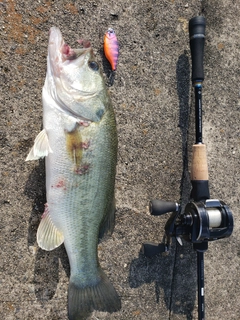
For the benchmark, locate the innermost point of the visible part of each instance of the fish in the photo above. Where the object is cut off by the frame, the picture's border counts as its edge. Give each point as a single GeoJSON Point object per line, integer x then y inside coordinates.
{"type": "Point", "coordinates": [79, 143]}
{"type": "Point", "coordinates": [111, 48]}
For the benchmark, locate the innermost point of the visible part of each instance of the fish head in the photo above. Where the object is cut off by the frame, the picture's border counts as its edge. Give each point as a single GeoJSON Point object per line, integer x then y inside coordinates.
{"type": "Point", "coordinates": [74, 79]}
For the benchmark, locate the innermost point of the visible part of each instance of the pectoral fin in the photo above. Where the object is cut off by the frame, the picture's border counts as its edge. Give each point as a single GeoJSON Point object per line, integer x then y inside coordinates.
{"type": "Point", "coordinates": [48, 236]}
{"type": "Point", "coordinates": [41, 147]}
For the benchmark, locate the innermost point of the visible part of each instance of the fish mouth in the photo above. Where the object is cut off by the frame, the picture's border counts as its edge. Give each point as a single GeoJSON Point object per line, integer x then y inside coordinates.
{"type": "Point", "coordinates": [60, 52]}
{"type": "Point", "coordinates": [61, 57]}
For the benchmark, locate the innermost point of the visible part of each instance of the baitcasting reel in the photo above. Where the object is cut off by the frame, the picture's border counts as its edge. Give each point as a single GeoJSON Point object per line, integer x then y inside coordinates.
{"type": "Point", "coordinates": [203, 219]}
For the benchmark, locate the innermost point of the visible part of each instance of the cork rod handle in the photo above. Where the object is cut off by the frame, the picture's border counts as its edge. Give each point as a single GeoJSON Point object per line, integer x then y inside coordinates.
{"type": "Point", "coordinates": [199, 168]}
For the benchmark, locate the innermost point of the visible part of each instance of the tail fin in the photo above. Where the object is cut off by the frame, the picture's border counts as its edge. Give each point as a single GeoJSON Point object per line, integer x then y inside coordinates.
{"type": "Point", "coordinates": [83, 300]}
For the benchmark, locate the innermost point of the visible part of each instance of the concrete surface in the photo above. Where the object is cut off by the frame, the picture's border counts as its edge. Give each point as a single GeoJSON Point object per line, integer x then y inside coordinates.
{"type": "Point", "coordinates": [153, 101]}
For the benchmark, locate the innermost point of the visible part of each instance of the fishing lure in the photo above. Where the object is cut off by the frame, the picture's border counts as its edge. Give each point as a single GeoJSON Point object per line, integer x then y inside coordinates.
{"type": "Point", "coordinates": [111, 48]}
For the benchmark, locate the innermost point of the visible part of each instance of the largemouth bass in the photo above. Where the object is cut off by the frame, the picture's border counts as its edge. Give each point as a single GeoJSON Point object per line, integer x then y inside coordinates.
{"type": "Point", "coordinates": [79, 143]}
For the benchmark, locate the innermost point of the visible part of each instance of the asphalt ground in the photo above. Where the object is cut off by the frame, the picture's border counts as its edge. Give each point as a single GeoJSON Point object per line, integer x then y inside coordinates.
{"type": "Point", "coordinates": [154, 105]}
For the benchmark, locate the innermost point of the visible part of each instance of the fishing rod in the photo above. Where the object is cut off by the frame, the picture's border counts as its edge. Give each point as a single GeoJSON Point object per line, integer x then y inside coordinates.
{"type": "Point", "coordinates": [203, 219]}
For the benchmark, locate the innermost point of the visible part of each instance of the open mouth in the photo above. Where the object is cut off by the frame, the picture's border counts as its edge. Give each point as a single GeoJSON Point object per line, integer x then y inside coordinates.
{"type": "Point", "coordinates": [58, 47]}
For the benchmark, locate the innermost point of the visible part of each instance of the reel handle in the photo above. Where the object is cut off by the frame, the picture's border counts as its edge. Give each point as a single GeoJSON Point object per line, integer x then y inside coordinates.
{"type": "Point", "coordinates": [197, 38]}
{"type": "Point", "coordinates": [159, 207]}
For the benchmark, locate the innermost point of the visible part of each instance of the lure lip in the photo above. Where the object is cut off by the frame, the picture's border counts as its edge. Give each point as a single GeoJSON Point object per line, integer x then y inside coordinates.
{"type": "Point", "coordinates": [110, 33]}
{"type": "Point", "coordinates": [111, 30]}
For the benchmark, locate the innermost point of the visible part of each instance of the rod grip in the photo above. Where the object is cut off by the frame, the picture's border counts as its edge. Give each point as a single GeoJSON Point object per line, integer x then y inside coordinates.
{"type": "Point", "coordinates": [199, 168]}
{"type": "Point", "coordinates": [197, 38]}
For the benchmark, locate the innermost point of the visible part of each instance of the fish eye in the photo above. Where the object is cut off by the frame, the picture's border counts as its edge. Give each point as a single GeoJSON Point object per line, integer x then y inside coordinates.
{"type": "Point", "coordinates": [93, 65]}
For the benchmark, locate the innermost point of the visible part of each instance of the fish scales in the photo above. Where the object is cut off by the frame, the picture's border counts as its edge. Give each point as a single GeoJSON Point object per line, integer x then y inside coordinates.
{"type": "Point", "coordinates": [79, 143]}
{"type": "Point", "coordinates": [85, 185]}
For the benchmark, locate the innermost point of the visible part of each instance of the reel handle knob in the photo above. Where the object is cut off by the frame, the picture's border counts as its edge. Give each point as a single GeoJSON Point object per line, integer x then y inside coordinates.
{"type": "Point", "coordinates": [197, 38]}
{"type": "Point", "coordinates": [159, 207]}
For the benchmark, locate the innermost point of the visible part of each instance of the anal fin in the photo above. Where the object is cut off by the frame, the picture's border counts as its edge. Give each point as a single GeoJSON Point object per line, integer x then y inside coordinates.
{"type": "Point", "coordinates": [48, 236]}
{"type": "Point", "coordinates": [41, 147]}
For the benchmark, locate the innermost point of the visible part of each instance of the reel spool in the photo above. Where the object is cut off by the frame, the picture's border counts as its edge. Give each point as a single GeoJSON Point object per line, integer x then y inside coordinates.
{"type": "Point", "coordinates": [207, 221]}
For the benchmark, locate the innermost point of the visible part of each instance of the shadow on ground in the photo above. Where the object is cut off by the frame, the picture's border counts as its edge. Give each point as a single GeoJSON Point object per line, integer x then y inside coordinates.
{"type": "Point", "coordinates": [166, 271]}
{"type": "Point", "coordinates": [46, 273]}
{"type": "Point", "coordinates": [167, 275]}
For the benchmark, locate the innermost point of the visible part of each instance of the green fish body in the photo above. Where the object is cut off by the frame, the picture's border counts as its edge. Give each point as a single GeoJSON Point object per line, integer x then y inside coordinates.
{"type": "Point", "coordinates": [79, 143]}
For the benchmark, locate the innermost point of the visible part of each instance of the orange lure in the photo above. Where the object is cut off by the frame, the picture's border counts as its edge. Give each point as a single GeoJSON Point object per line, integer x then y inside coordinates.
{"type": "Point", "coordinates": [111, 48]}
